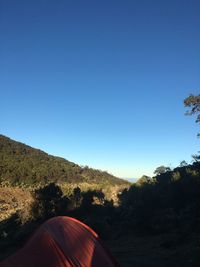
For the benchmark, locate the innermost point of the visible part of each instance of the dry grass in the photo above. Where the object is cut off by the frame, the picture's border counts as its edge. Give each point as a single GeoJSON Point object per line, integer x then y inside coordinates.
{"type": "Point", "coordinates": [18, 199]}
{"type": "Point", "coordinates": [12, 200]}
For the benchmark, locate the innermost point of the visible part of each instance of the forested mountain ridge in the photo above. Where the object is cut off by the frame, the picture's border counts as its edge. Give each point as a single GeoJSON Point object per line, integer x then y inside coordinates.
{"type": "Point", "coordinates": [22, 164]}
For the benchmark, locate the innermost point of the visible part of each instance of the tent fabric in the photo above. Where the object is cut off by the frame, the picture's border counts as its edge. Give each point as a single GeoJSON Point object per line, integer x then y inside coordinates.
{"type": "Point", "coordinates": [62, 242]}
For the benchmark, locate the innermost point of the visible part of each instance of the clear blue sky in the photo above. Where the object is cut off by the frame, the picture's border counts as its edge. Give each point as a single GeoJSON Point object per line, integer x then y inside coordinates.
{"type": "Point", "coordinates": [101, 83]}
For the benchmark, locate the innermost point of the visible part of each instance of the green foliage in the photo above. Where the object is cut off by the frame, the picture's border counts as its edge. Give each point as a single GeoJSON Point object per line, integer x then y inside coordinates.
{"type": "Point", "coordinates": [183, 163]}
{"type": "Point", "coordinates": [21, 164]}
{"type": "Point", "coordinates": [161, 169]}
{"type": "Point", "coordinates": [48, 202]}
{"type": "Point", "coordinates": [144, 180]}
{"type": "Point", "coordinates": [88, 198]}
{"type": "Point", "coordinates": [169, 202]}
{"type": "Point", "coordinates": [193, 102]}
{"type": "Point", "coordinates": [76, 197]}
{"type": "Point", "coordinates": [196, 157]}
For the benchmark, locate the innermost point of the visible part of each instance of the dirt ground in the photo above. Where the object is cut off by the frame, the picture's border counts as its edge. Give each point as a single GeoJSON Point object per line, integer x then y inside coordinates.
{"type": "Point", "coordinates": [155, 251]}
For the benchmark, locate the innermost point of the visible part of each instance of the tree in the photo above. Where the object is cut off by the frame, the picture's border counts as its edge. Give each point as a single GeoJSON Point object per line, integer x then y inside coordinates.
{"type": "Point", "coordinates": [87, 199]}
{"type": "Point", "coordinates": [183, 163]}
{"type": "Point", "coordinates": [92, 197]}
{"type": "Point", "coordinates": [47, 202]}
{"type": "Point", "coordinates": [196, 157]}
{"type": "Point", "coordinates": [193, 102]}
{"type": "Point", "coordinates": [161, 169]}
{"type": "Point", "coordinates": [100, 197]}
{"type": "Point", "coordinates": [76, 196]}
{"type": "Point", "coordinates": [144, 180]}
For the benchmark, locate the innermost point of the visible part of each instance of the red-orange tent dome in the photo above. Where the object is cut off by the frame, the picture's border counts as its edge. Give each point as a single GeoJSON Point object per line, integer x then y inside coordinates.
{"type": "Point", "coordinates": [62, 242]}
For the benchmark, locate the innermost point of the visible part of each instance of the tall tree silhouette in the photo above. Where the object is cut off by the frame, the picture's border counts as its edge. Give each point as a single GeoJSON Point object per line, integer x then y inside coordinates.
{"type": "Point", "coordinates": [193, 102]}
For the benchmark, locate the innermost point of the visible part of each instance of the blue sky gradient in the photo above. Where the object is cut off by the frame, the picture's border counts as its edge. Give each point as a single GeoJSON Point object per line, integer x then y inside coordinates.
{"type": "Point", "coordinates": [101, 83]}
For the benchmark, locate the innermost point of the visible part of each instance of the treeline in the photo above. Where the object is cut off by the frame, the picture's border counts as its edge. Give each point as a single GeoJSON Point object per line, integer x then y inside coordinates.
{"type": "Point", "coordinates": [168, 203]}
{"type": "Point", "coordinates": [23, 165]}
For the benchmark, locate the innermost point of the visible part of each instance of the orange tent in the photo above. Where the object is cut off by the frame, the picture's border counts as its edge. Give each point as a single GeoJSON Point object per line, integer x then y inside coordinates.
{"type": "Point", "coordinates": [62, 242]}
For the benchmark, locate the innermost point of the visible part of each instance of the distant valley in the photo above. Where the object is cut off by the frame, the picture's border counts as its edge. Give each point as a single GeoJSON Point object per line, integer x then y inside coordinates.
{"type": "Point", "coordinates": [131, 180]}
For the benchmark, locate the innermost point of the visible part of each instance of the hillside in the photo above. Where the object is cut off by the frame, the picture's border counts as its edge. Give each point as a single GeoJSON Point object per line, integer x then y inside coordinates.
{"type": "Point", "coordinates": [156, 221]}
{"type": "Point", "coordinates": [22, 164]}
{"type": "Point", "coordinates": [155, 224]}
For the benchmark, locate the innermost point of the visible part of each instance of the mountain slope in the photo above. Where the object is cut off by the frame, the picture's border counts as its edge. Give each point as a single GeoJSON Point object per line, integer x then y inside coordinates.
{"type": "Point", "coordinates": [20, 163]}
